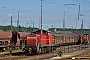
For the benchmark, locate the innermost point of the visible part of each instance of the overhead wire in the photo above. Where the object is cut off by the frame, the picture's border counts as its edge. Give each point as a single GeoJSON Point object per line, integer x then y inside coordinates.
{"type": "Point", "coordinates": [86, 1]}
{"type": "Point", "coordinates": [54, 3]}
{"type": "Point", "coordinates": [60, 5]}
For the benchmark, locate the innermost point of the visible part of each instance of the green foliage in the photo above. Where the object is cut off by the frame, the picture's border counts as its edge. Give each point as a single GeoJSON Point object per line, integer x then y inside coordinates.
{"type": "Point", "coordinates": [68, 29]}
{"type": "Point", "coordinates": [31, 29]}
{"type": "Point", "coordinates": [20, 29]}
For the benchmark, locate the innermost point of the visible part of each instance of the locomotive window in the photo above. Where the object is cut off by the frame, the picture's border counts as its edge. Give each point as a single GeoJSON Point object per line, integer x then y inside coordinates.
{"type": "Point", "coordinates": [45, 32]}
{"type": "Point", "coordinates": [37, 32]}
{"type": "Point", "coordinates": [85, 35]}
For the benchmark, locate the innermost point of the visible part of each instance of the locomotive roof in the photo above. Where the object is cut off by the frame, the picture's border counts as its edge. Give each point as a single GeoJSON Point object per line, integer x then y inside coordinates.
{"type": "Point", "coordinates": [38, 31]}
{"type": "Point", "coordinates": [5, 34]}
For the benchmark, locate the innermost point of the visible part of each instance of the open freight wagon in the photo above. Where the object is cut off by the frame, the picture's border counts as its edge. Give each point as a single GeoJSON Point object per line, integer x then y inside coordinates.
{"type": "Point", "coordinates": [12, 40]}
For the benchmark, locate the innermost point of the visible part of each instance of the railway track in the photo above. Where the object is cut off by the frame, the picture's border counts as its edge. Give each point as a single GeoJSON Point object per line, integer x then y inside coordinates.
{"type": "Point", "coordinates": [83, 53]}
{"type": "Point", "coordinates": [65, 50]}
{"type": "Point", "coordinates": [21, 56]}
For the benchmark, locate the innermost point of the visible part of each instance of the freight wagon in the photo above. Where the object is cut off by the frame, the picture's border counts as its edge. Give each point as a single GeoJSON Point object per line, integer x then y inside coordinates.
{"type": "Point", "coordinates": [12, 40]}
{"type": "Point", "coordinates": [5, 38]}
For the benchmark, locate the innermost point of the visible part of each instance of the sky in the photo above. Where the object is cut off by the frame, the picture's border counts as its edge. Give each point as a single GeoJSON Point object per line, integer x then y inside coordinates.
{"type": "Point", "coordinates": [52, 13]}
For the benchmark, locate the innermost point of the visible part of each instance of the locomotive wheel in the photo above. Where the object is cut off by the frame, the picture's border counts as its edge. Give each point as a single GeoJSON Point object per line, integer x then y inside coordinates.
{"type": "Point", "coordinates": [40, 51]}
{"type": "Point", "coordinates": [27, 52]}
{"type": "Point", "coordinates": [2, 49]}
{"type": "Point", "coordinates": [44, 51]}
{"type": "Point", "coordinates": [52, 49]}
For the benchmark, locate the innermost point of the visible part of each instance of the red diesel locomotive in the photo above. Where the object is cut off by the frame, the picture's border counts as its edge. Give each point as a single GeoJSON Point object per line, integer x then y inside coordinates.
{"type": "Point", "coordinates": [39, 41]}
{"type": "Point", "coordinates": [85, 38]}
